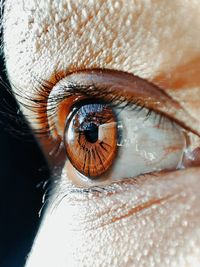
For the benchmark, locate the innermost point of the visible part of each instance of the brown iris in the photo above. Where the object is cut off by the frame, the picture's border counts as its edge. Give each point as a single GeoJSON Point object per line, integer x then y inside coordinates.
{"type": "Point", "coordinates": [91, 139]}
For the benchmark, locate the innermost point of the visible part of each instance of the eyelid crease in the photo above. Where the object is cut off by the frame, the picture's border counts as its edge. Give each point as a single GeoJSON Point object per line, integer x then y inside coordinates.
{"type": "Point", "coordinates": [116, 85]}
{"type": "Point", "coordinates": [130, 88]}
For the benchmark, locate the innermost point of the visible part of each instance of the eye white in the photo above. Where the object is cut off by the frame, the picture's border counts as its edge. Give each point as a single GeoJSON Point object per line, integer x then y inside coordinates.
{"type": "Point", "coordinates": [147, 144]}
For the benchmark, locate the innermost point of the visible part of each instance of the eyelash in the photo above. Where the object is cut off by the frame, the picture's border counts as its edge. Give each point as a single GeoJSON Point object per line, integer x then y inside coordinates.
{"type": "Point", "coordinates": [43, 104]}
{"type": "Point", "coordinates": [65, 190]}
{"type": "Point", "coordinates": [44, 107]}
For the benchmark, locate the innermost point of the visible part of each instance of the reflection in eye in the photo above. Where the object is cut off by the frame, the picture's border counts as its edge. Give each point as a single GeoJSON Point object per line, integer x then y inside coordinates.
{"type": "Point", "coordinates": [114, 125]}
{"type": "Point", "coordinates": [91, 139]}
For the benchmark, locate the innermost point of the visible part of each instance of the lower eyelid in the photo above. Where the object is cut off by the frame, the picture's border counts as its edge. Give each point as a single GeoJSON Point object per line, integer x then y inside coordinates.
{"type": "Point", "coordinates": [149, 194]}
{"type": "Point", "coordinates": [163, 180]}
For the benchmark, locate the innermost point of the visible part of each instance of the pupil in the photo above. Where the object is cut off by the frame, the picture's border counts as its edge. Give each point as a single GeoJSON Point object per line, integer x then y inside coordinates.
{"type": "Point", "coordinates": [91, 133]}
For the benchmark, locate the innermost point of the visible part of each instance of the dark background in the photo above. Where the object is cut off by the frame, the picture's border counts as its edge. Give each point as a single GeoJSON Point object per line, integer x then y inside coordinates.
{"type": "Point", "coordinates": [22, 170]}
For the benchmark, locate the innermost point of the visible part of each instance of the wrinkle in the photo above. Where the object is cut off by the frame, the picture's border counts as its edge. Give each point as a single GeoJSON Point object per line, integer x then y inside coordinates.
{"type": "Point", "coordinates": [144, 206]}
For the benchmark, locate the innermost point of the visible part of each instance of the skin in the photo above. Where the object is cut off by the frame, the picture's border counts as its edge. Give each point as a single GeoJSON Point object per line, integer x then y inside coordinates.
{"type": "Point", "coordinates": [151, 222]}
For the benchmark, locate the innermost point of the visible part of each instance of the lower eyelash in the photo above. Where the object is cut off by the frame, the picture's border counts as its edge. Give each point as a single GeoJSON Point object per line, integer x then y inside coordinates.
{"type": "Point", "coordinates": [99, 191]}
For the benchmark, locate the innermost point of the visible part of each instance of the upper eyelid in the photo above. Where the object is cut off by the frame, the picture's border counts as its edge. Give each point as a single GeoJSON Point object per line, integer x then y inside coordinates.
{"type": "Point", "coordinates": [151, 96]}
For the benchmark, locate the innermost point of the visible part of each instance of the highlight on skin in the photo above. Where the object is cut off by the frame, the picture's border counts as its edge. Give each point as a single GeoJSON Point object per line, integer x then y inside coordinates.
{"type": "Point", "coordinates": [139, 49]}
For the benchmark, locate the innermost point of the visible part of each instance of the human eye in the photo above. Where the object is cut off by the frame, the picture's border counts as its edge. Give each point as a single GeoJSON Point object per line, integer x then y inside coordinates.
{"type": "Point", "coordinates": [110, 126]}
{"type": "Point", "coordinates": [111, 90]}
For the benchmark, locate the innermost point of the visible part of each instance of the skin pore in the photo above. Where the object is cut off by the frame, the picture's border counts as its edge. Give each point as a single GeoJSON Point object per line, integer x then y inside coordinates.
{"type": "Point", "coordinates": [155, 220]}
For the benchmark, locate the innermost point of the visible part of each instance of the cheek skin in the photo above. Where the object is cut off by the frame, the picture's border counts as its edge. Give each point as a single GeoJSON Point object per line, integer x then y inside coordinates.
{"type": "Point", "coordinates": [152, 223]}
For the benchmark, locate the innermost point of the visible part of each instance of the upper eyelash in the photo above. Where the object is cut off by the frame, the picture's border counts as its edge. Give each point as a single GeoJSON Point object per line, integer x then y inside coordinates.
{"type": "Point", "coordinates": [43, 103]}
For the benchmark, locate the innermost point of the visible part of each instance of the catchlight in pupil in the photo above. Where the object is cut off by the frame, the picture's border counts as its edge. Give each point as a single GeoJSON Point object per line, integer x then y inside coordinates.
{"type": "Point", "coordinates": [91, 139]}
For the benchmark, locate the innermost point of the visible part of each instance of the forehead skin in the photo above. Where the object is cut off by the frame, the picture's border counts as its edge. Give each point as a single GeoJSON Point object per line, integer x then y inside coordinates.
{"type": "Point", "coordinates": [156, 40]}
